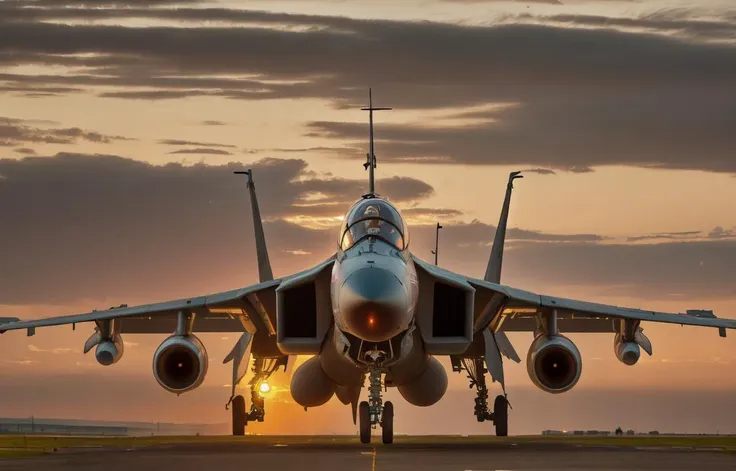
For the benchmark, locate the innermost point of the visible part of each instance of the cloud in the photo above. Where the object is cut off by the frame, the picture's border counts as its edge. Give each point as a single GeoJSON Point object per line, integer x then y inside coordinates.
{"type": "Point", "coordinates": [298, 252]}
{"type": "Point", "coordinates": [666, 236]}
{"type": "Point", "coordinates": [17, 131]}
{"type": "Point", "coordinates": [100, 3]}
{"type": "Point", "coordinates": [693, 269]}
{"type": "Point", "coordinates": [589, 96]}
{"type": "Point", "coordinates": [110, 228]}
{"type": "Point", "coordinates": [560, 264]}
{"type": "Point", "coordinates": [154, 94]}
{"type": "Point", "coordinates": [214, 123]}
{"type": "Point", "coordinates": [604, 135]}
{"type": "Point", "coordinates": [202, 150]}
{"type": "Point", "coordinates": [721, 233]}
{"type": "Point", "coordinates": [20, 362]}
{"type": "Point", "coordinates": [478, 234]}
{"type": "Point", "coordinates": [680, 22]}
{"type": "Point", "coordinates": [716, 234]}
{"type": "Point", "coordinates": [540, 171]}
{"type": "Point", "coordinates": [25, 151]}
{"type": "Point", "coordinates": [55, 351]}
{"type": "Point", "coordinates": [179, 142]}
{"type": "Point", "coordinates": [34, 91]}
{"type": "Point", "coordinates": [162, 232]}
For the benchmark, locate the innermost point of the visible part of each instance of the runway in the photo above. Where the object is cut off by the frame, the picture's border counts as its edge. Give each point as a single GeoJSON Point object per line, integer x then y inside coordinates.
{"type": "Point", "coordinates": [433, 456]}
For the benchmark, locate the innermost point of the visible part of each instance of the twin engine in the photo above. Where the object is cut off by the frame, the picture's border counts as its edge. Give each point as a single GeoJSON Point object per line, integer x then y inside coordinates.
{"type": "Point", "coordinates": [554, 363]}
{"type": "Point", "coordinates": [180, 363]}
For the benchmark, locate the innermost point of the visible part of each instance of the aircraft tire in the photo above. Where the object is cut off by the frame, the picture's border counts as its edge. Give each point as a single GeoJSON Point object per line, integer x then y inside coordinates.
{"type": "Point", "coordinates": [387, 423]}
{"type": "Point", "coordinates": [501, 416]}
{"type": "Point", "coordinates": [238, 411]}
{"type": "Point", "coordinates": [364, 422]}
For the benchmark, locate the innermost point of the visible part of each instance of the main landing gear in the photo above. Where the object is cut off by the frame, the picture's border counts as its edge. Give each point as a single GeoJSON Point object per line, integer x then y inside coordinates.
{"type": "Point", "coordinates": [241, 417]}
{"type": "Point", "coordinates": [476, 374]}
{"type": "Point", "coordinates": [373, 412]}
{"type": "Point", "coordinates": [259, 387]}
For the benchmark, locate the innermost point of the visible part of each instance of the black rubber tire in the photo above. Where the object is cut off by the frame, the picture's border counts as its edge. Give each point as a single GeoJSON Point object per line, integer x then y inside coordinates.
{"type": "Point", "coordinates": [387, 423]}
{"type": "Point", "coordinates": [501, 416]}
{"type": "Point", "coordinates": [364, 422]}
{"type": "Point", "coordinates": [238, 410]}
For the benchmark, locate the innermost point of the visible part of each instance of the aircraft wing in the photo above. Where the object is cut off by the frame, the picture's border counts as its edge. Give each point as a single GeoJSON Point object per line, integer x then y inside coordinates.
{"type": "Point", "coordinates": [520, 307]}
{"type": "Point", "coordinates": [230, 310]}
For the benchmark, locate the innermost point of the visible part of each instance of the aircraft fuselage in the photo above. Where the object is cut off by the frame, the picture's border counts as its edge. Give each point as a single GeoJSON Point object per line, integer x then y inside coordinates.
{"type": "Point", "coordinates": [374, 290]}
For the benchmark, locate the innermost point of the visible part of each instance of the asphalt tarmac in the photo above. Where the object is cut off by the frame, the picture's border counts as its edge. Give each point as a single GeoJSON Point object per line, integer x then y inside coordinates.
{"type": "Point", "coordinates": [435, 456]}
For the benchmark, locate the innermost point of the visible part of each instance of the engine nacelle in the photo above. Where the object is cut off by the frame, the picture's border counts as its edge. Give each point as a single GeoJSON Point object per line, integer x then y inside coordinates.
{"type": "Point", "coordinates": [627, 353]}
{"type": "Point", "coordinates": [180, 363]}
{"type": "Point", "coordinates": [554, 363]}
{"type": "Point", "coordinates": [110, 352]}
{"type": "Point", "coordinates": [310, 386]}
{"type": "Point", "coordinates": [429, 388]}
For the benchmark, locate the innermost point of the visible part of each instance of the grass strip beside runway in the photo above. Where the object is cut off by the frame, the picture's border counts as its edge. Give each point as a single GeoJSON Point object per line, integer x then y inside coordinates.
{"type": "Point", "coordinates": [13, 443]}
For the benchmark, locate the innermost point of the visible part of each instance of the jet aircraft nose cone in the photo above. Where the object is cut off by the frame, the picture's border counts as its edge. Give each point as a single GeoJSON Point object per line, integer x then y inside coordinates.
{"type": "Point", "coordinates": [373, 304]}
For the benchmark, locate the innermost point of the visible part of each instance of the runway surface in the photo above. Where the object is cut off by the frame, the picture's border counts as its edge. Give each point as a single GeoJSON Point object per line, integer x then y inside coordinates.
{"type": "Point", "coordinates": [433, 456]}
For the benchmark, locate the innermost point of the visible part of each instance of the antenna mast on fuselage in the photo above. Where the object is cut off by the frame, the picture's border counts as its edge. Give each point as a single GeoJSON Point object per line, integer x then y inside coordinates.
{"type": "Point", "coordinates": [370, 164]}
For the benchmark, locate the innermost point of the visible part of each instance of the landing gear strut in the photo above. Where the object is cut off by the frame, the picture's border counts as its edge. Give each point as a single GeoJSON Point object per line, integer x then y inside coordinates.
{"type": "Point", "coordinates": [477, 376]}
{"type": "Point", "coordinates": [373, 411]}
{"type": "Point", "coordinates": [263, 369]}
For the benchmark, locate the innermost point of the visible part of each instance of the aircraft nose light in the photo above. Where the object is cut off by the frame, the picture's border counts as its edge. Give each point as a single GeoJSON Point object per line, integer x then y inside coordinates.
{"type": "Point", "coordinates": [373, 304]}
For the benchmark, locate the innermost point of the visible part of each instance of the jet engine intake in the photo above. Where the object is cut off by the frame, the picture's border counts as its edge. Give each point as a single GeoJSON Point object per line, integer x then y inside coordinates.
{"type": "Point", "coordinates": [627, 353]}
{"type": "Point", "coordinates": [109, 352]}
{"type": "Point", "coordinates": [180, 363]}
{"type": "Point", "coordinates": [554, 363]}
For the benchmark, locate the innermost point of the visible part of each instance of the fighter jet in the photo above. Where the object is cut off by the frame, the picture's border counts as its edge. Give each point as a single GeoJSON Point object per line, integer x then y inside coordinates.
{"type": "Point", "coordinates": [373, 315]}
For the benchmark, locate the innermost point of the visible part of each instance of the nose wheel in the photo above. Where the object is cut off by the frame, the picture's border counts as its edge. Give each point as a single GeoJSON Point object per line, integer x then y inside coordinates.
{"type": "Point", "coordinates": [387, 423]}
{"type": "Point", "coordinates": [373, 412]}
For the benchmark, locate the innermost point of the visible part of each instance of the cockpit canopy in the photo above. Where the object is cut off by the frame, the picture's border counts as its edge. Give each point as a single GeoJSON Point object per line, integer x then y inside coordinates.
{"type": "Point", "coordinates": [374, 217]}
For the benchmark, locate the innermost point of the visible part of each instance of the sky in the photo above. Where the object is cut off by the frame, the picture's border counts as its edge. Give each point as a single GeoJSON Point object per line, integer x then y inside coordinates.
{"type": "Point", "coordinates": [121, 124]}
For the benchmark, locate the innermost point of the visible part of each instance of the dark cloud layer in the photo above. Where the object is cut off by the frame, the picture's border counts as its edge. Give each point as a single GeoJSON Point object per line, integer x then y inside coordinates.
{"type": "Point", "coordinates": [17, 131]}
{"type": "Point", "coordinates": [79, 226]}
{"type": "Point", "coordinates": [662, 21]}
{"type": "Point", "coordinates": [582, 97]}
{"type": "Point", "coordinates": [662, 130]}
{"type": "Point", "coordinates": [109, 228]}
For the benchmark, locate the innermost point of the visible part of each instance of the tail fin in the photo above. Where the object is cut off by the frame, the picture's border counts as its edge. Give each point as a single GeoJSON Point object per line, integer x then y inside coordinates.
{"type": "Point", "coordinates": [493, 272]}
{"type": "Point", "coordinates": [264, 265]}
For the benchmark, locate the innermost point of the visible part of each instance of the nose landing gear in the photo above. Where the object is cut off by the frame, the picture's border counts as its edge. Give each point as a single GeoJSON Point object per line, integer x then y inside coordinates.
{"type": "Point", "coordinates": [373, 412]}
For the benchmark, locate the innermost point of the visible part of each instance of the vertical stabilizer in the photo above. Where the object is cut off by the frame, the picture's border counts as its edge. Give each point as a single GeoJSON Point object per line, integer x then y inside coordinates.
{"type": "Point", "coordinates": [264, 264]}
{"type": "Point", "coordinates": [493, 272]}
{"type": "Point", "coordinates": [370, 164]}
